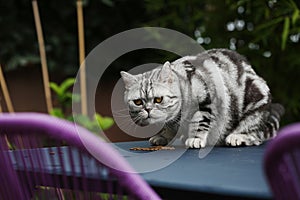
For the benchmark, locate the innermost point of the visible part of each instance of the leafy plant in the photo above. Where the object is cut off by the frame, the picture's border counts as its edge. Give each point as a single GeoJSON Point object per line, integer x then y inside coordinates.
{"type": "Point", "coordinates": [65, 98]}
{"type": "Point", "coordinates": [94, 124]}
{"type": "Point", "coordinates": [63, 95]}
{"type": "Point", "coordinates": [57, 112]}
{"type": "Point", "coordinates": [267, 32]}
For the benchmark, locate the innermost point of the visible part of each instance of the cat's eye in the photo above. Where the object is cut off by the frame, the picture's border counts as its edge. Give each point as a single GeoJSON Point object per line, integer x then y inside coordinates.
{"type": "Point", "coordinates": [158, 99]}
{"type": "Point", "coordinates": [138, 102]}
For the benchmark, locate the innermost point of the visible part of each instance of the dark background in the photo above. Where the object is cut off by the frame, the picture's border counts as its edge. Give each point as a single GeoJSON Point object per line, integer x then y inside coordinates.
{"type": "Point", "coordinates": [266, 32]}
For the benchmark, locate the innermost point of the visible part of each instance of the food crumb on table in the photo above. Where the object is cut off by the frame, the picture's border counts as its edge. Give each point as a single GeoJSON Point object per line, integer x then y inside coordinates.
{"type": "Point", "coordinates": [154, 148]}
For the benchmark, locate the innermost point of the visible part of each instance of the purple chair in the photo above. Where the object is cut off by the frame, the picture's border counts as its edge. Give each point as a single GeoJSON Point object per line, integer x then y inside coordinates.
{"type": "Point", "coordinates": [43, 157]}
{"type": "Point", "coordinates": [282, 163]}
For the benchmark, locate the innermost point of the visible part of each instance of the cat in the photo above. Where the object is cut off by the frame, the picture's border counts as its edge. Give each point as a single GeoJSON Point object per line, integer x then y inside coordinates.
{"type": "Point", "coordinates": [213, 98]}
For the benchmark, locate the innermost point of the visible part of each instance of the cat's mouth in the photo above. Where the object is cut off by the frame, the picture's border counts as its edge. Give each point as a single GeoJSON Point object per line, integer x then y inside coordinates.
{"type": "Point", "coordinates": [144, 123]}
{"type": "Point", "coordinates": [149, 120]}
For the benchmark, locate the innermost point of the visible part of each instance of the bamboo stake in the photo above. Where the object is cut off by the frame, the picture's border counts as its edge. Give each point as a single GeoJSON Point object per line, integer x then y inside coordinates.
{"type": "Point", "coordinates": [7, 99]}
{"type": "Point", "coordinates": [0, 106]}
{"type": "Point", "coordinates": [42, 55]}
{"type": "Point", "coordinates": [82, 57]}
{"type": "Point", "coordinates": [0, 99]}
{"type": "Point", "coordinates": [5, 92]}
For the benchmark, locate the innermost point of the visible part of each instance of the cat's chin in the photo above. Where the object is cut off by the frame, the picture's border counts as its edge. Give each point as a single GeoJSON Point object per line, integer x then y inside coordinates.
{"type": "Point", "coordinates": [143, 123]}
{"type": "Point", "coordinates": [149, 121]}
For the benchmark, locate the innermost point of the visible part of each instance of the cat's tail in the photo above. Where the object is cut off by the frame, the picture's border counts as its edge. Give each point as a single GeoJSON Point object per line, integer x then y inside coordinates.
{"type": "Point", "coordinates": [276, 111]}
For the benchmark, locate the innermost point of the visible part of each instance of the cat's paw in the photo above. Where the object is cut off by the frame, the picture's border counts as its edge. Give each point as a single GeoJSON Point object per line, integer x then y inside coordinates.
{"type": "Point", "coordinates": [241, 139]}
{"type": "Point", "coordinates": [195, 143]}
{"type": "Point", "coordinates": [158, 140]}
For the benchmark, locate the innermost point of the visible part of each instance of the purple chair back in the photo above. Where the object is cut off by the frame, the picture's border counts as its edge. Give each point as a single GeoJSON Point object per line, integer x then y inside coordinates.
{"type": "Point", "coordinates": [282, 163]}
{"type": "Point", "coordinates": [43, 157]}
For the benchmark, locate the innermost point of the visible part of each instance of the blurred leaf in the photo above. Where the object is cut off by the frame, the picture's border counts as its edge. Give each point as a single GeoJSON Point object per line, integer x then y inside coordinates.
{"type": "Point", "coordinates": [293, 4]}
{"type": "Point", "coordinates": [104, 122]}
{"type": "Point", "coordinates": [70, 118]}
{"type": "Point", "coordinates": [285, 32]}
{"type": "Point", "coordinates": [93, 125]}
{"type": "Point", "coordinates": [85, 122]}
{"type": "Point", "coordinates": [64, 97]}
{"type": "Point", "coordinates": [20, 60]}
{"type": "Point", "coordinates": [76, 97]}
{"type": "Point", "coordinates": [264, 26]}
{"type": "Point", "coordinates": [57, 112]}
{"type": "Point", "coordinates": [109, 3]}
{"type": "Point", "coordinates": [55, 88]}
{"type": "Point", "coordinates": [269, 24]}
{"type": "Point", "coordinates": [295, 16]}
{"type": "Point", "coordinates": [66, 84]}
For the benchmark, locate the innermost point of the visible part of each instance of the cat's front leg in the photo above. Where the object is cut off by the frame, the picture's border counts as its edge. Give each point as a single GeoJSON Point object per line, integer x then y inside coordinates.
{"type": "Point", "coordinates": [198, 130]}
{"type": "Point", "coordinates": [163, 137]}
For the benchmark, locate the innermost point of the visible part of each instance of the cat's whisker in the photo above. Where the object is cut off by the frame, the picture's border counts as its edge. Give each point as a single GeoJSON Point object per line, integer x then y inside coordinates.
{"type": "Point", "coordinates": [124, 109]}
{"type": "Point", "coordinates": [121, 112]}
{"type": "Point", "coordinates": [123, 124]}
{"type": "Point", "coordinates": [127, 122]}
{"type": "Point", "coordinates": [135, 120]}
{"type": "Point", "coordinates": [121, 116]}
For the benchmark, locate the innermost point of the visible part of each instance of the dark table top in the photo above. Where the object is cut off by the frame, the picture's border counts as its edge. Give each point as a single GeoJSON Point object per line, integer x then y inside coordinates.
{"type": "Point", "coordinates": [224, 171]}
{"type": "Point", "coordinates": [212, 173]}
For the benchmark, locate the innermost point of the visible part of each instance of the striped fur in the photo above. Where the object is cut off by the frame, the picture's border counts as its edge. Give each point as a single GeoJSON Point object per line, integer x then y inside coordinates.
{"type": "Point", "coordinates": [216, 97]}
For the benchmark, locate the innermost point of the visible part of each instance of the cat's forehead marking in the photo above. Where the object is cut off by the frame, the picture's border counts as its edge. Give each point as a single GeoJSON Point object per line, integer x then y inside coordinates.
{"type": "Point", "coordinates": [142, 87]}
{"type": "Point", "coordinates": [146, 86]}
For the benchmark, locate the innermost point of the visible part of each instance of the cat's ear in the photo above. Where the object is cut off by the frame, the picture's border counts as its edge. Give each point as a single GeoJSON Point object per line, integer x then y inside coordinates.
{"type": "Point", "coordinates": [166, 74]}
{"type": "Point", "coordinates": [128, 79]}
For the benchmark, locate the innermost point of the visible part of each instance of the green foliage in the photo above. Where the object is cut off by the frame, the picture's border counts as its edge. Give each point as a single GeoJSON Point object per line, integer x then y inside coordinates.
{"type": "Point", "coordinates": [267, 32]}
{"type": "Point", "coordinates": [104, 122]}
{"type": "Point", "coordinates": [285, 32]}
{"type": "Point", "coordinates": [94, 124]}
{"type": "Point", "coordinates": [65, 98]}
{"type": "Point", "coordinates": [57, 112]}
{"type": "Point", "coordinates": [62, 92]}
{"type": "Point", "coordinates": [19, 46]}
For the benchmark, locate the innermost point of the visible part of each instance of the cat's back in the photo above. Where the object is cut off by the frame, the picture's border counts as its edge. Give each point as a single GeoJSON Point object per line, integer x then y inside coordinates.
{"type": "Point", "coordinates": [236, 73]}
{"type": "Point", "coordinates": [225, 56]}
{"type": "Point", "coordinates": [230, 62]}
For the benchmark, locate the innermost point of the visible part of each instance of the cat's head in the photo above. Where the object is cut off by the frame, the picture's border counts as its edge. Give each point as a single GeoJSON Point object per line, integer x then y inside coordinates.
{"type": "Point", "coordinates": [152, 97]}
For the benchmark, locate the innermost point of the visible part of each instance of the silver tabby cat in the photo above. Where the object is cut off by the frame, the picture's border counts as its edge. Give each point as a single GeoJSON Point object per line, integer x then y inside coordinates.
{"type": "Point", "coordinates": [213, 98]}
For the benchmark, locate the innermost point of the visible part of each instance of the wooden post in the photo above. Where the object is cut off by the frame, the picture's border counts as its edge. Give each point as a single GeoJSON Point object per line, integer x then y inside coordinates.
{"type": "Point", "coordinates": [42, 55]}
{"type": "Point", "coordinates": [5, 92]}
{"type": "Point", "coordinates": [81, 58]}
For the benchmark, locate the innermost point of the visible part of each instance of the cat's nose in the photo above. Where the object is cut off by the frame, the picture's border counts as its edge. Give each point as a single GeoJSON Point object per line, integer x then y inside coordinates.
{"type": "Point", "coordinates": [148, 110]}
